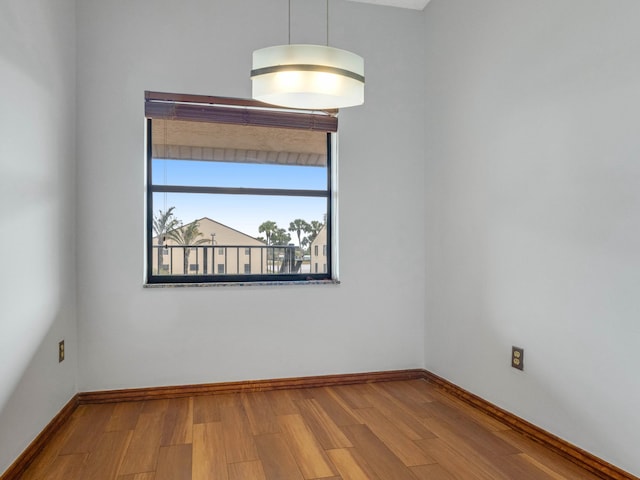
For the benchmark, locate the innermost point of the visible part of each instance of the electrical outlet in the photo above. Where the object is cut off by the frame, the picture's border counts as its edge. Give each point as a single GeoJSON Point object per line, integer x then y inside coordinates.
{"type": "Point", "coordinates": [517, 358]}
{"type": "Point", "coordinates": [60, 351]}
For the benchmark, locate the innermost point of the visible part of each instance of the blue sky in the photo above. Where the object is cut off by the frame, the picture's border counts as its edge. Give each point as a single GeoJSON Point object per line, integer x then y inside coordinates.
{"type": "Point", "coordinates": [244, 213]}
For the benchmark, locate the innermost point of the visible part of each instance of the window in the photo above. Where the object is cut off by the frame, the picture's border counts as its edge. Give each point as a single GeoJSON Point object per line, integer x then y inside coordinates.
{"type": "Point", "coordinates": [236, 191]}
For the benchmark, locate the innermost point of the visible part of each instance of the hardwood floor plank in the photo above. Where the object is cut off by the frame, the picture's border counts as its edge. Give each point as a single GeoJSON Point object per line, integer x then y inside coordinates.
{"type": "Point", "coordinates": [246, 471]}
{"type": "Point", "coordinates": [516, 466]}
{"type": "Point", "coordinates": [178, 422]}
{"type": "Point", "coordinates": [206, 409]}
{"type": "Point", "coordinates": [262, 418]}
{"type": "Point", "coordinates": [479, 416]}
{"type": "Point", "coordinates": [404, 448]}
{"type": "Point", "coordinates": [424, 388]}
{"type": "Point", "coordinates": [308, 453]}
{"type": "Point", "coordinates": [142, 454]}
{"type": "Point", "coordinates": [209, 458]}
{"type": "Point", "coordinates": [62, 467]}
{"type": "Point", "coordinates": [335, 407]}
{"type": "Point", "coordinates": [482, 439]}
{"type": "Point", "coordinates": [538, 454]}
{"type": "Point", "coordinates": [407, 422]}
{"type": "Point", "coordinates": [277, 460]}
{"type": "Point", "coordinates": [239, 443]}
{"type": "Point", "coordinates": [138, 476]}
{"type": "Point", "coordinates": [174, 463]}
{"type": "Point", "coordinates": [546, 469]}
{"type": "Point", "coordinates": [124, 416]}
{"type": "Point", "coordinates": [104, 462]}
{"type": "Point", "coordinates": [155, 406]}
{"type": "Point", "coordinates": [323, 427]}
{"type": "Point", "coordinates": [355, 396]}
{"type": "Point", "coordinates": [41, 465]}
{"type": "Point", "coordinates": [377, 460]}
{"type": "Point", "coordinates": [432, 472]}
{"type": "Point", "coordinates": [346, 465]}
{"type": "Point", "coordinates": [460, 460]}
{"type": "Point", "coordinates": [87, 423]}
{"type": "Point", "coordinates": [283, 402]}
{"type": "Point", "coordinates": [228, 399]}
{"type": "Point", "coordinates": [406, 396]}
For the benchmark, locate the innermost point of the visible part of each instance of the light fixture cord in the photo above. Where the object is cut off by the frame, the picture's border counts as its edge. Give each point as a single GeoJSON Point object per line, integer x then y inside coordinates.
{"type": "Point", "coordinates": [327, 23]}
{"type": "Point", "coordinates": [289, 22]}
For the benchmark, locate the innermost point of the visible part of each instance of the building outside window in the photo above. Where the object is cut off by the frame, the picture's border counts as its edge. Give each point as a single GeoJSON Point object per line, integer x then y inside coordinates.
{"type": "Point", "coordinates": [320, 239]}
{"type": "Point", "coordinates": [236, 191]}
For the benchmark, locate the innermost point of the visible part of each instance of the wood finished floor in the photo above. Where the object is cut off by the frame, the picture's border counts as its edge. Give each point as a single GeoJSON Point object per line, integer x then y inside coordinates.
{"type": "Point", "coordinates": [402, 430]}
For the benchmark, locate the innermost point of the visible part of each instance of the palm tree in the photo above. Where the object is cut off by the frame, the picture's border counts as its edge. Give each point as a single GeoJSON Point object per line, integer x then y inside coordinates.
{"type": "Point", "coordinates": [314, 229]}
{"type": "Point", "coordinates": [187, 236]}
{"type": "Point", "coordinates": [299, 226]}
{"type": "Point", "coordinates": [280, 237]}
{"type": "Point", "coordinates": [268, 228]}
{"type": "Point", "coordinates": [164, 224]}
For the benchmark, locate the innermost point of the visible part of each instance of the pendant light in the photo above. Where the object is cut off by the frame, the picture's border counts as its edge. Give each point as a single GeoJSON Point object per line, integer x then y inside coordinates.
{"type": "Point", "coordinates": [310, 77]}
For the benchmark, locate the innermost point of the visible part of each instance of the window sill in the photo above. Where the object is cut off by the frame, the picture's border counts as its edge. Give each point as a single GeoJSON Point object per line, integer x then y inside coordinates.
{"type": "Point", "coordinates": [241, 284]}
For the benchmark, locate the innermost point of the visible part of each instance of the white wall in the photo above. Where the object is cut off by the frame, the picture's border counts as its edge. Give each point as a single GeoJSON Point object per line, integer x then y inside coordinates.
{"type": "Point", "coordinates": [37, 218]}
{"type": "Point", "coordinates": [533, 211]}
{"type": "Point", "coordinates": [133, 337]}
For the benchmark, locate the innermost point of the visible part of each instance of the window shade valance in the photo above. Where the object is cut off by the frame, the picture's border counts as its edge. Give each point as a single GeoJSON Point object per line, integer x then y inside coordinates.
{"type": "Point", "coordinates": [201, 108]}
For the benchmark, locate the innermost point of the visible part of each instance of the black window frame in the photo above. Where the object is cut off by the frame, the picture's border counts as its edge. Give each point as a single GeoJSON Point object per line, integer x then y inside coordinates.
{"type": "Point", "coordinates": [243, 112]}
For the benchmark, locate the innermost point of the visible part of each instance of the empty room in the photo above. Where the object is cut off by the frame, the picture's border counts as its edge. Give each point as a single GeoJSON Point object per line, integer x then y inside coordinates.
{"type": "Point", "coordinates": [431, 273]}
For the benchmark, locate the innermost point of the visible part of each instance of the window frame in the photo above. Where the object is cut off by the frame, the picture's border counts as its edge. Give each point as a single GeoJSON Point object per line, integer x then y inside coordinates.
{"type": "Point", "coordinates": [242, 112]}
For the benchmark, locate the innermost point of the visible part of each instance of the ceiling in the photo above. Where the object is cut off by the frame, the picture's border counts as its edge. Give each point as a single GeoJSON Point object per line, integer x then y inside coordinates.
{"type": "Point", "coordinates": [413, 4]}
{"type": "Point", "coordinates": [219, 142]}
